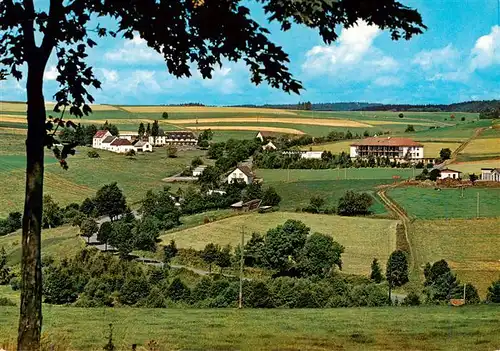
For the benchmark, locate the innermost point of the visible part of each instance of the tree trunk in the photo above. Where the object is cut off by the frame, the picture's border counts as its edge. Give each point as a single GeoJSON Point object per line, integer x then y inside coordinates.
{"type": "Point", "coordinates": [30, 319]}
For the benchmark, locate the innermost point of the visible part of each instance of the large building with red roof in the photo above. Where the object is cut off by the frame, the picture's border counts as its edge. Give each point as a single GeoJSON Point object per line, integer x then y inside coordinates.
{"type": "Point", "coordinates": [393, 148]}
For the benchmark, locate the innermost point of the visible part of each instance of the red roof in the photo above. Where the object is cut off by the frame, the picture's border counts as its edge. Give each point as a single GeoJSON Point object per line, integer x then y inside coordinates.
{"type": "Point", "coordinates": [387, 142]}
{"type": "Point", "coordinates": [100, 134]}
{"type": "Point", "coordinates": [121, 142]}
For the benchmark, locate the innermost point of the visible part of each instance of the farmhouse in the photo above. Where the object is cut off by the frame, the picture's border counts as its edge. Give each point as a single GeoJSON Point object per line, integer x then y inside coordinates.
{"type": "Point", "coordinates": [490, 174]}
{"type": "Point", "coordinates": [143, 146]}
{"type": "Point", "coordinates": [241, 174]}
{"type": "Point", "coordinates": [269, 146]}
{"type": "Point", "coordinates": [449, 174]}
{"type": "Point", "coordinates": [106, 143]}
{"type": "Point", "coordinates": [309, 155]}
{"type": "Point", "coordinates": [263, 135]}
{"type": "Point", "coordinates": [99, 137]}
{"type": "Point", "coordinates": [198, 171]}
{"type": "Point", "coordinates": [393, 148]}
{"type": "Point", "coordinates": [174, 138]}
{"type": "Point", "coordinates": [121, 146]}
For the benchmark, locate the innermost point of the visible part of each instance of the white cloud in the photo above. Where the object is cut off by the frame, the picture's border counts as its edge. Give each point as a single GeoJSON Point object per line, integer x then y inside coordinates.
{"type": "Point", "coordinates": [353, 57]}
{"type": "Point", "coordinates": [387, 81]}
{"type": "Point", "coordinates": [51, 73]}
{"type": "Point", "coordinates": [431, 59]}
{"type": "Point", "coordinates": [486, 51]}
{"type": "Point", "coordinates": [134, 51]}
{"type": "Point", "coordinates": [110, 75]}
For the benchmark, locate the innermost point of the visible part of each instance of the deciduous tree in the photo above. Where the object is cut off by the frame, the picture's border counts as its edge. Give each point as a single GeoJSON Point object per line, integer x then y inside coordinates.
{"type": "Point", "coordinates": [445, 154]}
{"type": "Point", "coordinates": [110, 201]}
{"type": "Point", "coordinates": [187, 33]}
{"type": "Point", "coordinates": [104, 233]}
{"type": "Point", "coordinates": [88, 228]}
{"type": "Point", "coordinates": [210, 254]}
{"type": "Point", "coordinates": [396, 272]}
{"type": "Point", "coordinates": [320, 255]}
{"type": "Point", "coordinates": [376, 273]}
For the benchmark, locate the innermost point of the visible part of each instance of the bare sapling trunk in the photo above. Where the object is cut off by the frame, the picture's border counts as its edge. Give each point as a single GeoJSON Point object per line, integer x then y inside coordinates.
{"type": "Point", "coordinates": [30, 319]}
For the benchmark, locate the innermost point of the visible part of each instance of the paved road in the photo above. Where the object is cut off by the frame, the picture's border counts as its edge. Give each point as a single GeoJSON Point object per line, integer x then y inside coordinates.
{"type": "Point", "coordinates": [96, 243]}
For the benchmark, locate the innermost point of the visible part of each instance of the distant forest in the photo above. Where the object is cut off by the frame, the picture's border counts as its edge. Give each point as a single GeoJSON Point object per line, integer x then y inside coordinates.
{"type": "Point", "coordinates": [467, 106]}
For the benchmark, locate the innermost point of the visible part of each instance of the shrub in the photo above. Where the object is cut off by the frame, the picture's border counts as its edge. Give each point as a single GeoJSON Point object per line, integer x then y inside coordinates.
{"type": "Point", "coordinates": [133, 290]}
{"type": "Point", "coordinates": [93, 154]}
{"type": "Point", "coordinates": [352, 204]}
{"type": "Point", "coordinates": [172, 152]}
{"type": "Point", "coordinates": [178, 291]}
{"type": "Point", "coordinates": [370, 295]}
{"type": "Point", "coordinates": [412, 299]}
{"type": "Point", "coordinates": [130, 153]}
{"type": "Point", "coordinates": [494, 292]}
{"type": "Point", "coordinates": [6, 302]}
{"type": "Point", "coordinates": [410, 128]}
{"type": "Point", "coordinates": [401, 115]}
{"type": "Point", "coordinates": [15, 284]}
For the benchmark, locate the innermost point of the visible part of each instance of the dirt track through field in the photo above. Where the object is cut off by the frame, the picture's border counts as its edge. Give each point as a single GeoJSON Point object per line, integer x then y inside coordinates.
{"type": "Point", "coordinates": [251, 128]}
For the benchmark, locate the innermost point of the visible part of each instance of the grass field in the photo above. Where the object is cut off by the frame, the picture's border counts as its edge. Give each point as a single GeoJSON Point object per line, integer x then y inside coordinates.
{"type": "Point", "coordinates": [428, 203]}
{"type": "Point", "coordinates": [470, 246]}
{"type": "Point", "coordinates": [293, 175]}
{"type": "Point", "coordinates": [58, 242]}
{"type": "Point", "coordinates": [363, 238]}
{"type": "Point", "coordinates": [85, 176]}
{"type": "Point", "coordinates": [475, 166]}
{"type": "Point", "coordinates": [481, 149]}
{"type": "Point", "coordinates": [424, 328]}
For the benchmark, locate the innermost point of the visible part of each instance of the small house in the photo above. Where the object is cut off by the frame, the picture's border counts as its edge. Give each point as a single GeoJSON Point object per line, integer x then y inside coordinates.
{"type": "Point", "coordinates": [241, 174]}
{"type": "Point", "coordinates": [263, 136]}
{"type": "Point", "coordinates": [490, 174]}
{"type": "Point", "coordinates": [121, 146]}
{"type": "Point", "coordinates": [198, 171]}
{"type": "Point", "coordinates": [99, 136]}
{"type": "Point", "coordinates": [246, 206]}
{"type": "Point", "coordinates": [269, 147]}
{"type": "Point", "coordinates": [143, 146]}
{"type": "Point", "coordinates": [449, 174]}
{"type": "Point", "coordinates": [106, 143]}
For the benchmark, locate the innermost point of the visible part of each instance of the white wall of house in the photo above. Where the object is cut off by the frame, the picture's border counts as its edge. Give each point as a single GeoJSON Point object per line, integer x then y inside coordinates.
{"type": "Point", "coordinates": [353, 152]}
{"type": "Point", "coordinates": [238, 176]}
{"type": "Point", "coordinates": [491, 175]}
{"type": "Point", "coordinates": [311, 155]}
{"type": "Point", "coordinates": [416, 152]}
{"type": "Point", "coordinates": [96, 142]}
{"type": "Point", "coordinates": [449, 175]}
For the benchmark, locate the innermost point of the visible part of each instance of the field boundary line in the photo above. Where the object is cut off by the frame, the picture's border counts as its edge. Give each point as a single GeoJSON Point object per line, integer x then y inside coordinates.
{"type": "Point", "coordinates": [461, 148]}
{"type": "Point", "coordinates": [394, 207]}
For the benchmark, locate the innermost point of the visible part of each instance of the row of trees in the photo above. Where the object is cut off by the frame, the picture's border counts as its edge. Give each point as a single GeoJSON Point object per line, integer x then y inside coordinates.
{"type": "Point", "coordinates": [150, 130]}
{"type": "Point", "coordinates": [350, 204]}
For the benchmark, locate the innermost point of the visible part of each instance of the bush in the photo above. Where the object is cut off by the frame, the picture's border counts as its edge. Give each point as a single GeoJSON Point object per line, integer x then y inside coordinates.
{"type": "Point", "coordinates": [93, 154]}
{"type": "Point", "coordinates": [6, 302]}
{"type": "Point", "coordinates": [134, 290]}
{"type": "Point", "coordinates": [352, 204]}
{"type": "Point", "coordinates": [130, 153]}
{"type": "Point", "coordinates": [494, 292]}
{"type": "Point", "coordinates": [172, 152]}
{"type": "Point", "coordinates": [15, 284]}
{"type": "Point", "coordinates": [412, 299]}
{"type": "Point", "coordinates": [401, 115]}
{"type": "Point", "coordinates": [410, 128]}
{"type": "Point", "coordinates": [370, 295]}
{"type": "Point", "coordinates": [178, 291]}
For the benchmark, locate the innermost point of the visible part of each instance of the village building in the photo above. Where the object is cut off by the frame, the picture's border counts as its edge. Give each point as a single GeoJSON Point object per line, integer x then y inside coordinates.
{"type": "Point", "coordinates": [106, 142]}
{"type": "Point", "coordinates": [198, 171]}
{"type": "Point", "coordinates": [121, 146]}
{"type": "Point", "coordinates": [143, 146]}
{"type": "Point", "coordinates": [309, 155]}
{"type": "Point", "coordinates": [263, 135]}
{"type": "Point", "coordinates": [449, 174]}
{"type": "Point", "coordinates": [187, 138]}
{"type": "Point", "coordinates": [251, 205]}
{"type": "Point", "coordinates": [269, 147]}
{"type": "Point", "coordinates": [241, 174]}
{"type": "Point", "coordinates": [490, 174]}
{"type": "Point", "coordinates": [392, 148]}
{"type": "Point", "coordinates": [99, 136]}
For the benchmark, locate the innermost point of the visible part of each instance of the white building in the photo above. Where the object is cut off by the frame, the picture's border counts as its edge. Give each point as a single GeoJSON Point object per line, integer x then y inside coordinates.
{"type": "Point", "coordinates": [99, 137]}
{"type": "Point", "coordinates": [121, 146]}
{"type": "Point", "coordinates": [241, 174]}
{"type": "Point", "coordinates": [309, 155]}
{"type": "Point", "coordinates": [269, 147]}
{"type": "Point", "coordinates": [106, 143]}
{"type": "Point", "coordinates": [143, 146]}
{"type": "Point", "coordinates": [393, 148]}
{"type": "Point", "coordinates": [198, 171]}
{"type": "Point", "coordinates": [174, 138]}
{"type": "Point", "coordinates": [262, 136]}
{"type": "Point", "coordinates": [490, 174]}
{"type": "Point", "coordinates": [449, 174]}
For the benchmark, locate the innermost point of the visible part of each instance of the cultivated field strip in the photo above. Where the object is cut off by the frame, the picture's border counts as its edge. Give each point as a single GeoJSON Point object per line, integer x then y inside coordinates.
{"type": "Point", "coordinates": [251, 128]}
{"type": "Point", "coordinates": [205, 109]}
{"type": "Point", "coordinates": [21, 107]}
{"type": "Point", "coordinates": [306, 121]}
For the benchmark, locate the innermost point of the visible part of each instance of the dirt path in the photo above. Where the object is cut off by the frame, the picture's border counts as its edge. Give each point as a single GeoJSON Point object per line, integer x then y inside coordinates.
{"type": "Point", "coordinates": [461, 148]}
{"type": "Point", "coordinates": [403, 217]}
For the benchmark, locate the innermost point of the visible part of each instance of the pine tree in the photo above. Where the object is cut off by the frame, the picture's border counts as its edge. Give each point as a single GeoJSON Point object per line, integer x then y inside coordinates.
{"type": "Point", "coordinates": [148, 129]}
{"type": "Point", "coordinates": [376, 274]}
{"type": "Point", "coordinates": [141, 130]}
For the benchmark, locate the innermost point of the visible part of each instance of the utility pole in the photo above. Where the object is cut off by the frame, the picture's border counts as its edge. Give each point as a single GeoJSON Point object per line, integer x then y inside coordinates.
{"type": "Point", "coordinates": [242, 249]}
{"type": "Point", "coordinates": [464, 292]}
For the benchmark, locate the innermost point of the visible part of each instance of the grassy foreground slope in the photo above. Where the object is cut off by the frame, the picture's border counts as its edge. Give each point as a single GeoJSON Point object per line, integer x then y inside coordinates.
{"type": "Point", "coordinates": [363, 238]}
{"type": "Point", "coordinates": [470, 246]}
{"type": "Point", "coordinates": [424, 328]}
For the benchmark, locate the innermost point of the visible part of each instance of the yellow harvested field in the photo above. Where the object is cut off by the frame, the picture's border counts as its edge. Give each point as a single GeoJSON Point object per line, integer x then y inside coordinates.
{"type": "Point", "coordinates": [432, 149]}
{"type": "Point", "coordinates": [334, 148]}
{"type": "Point", "coordinates": [204, 109]}
{"type": "Point", "coordinates": [475, 166]}
{"type": "Point", "coordinates": [483, 146]}
{"type": "Point", "coordinates": [428, 124]}
{"type": "Point", "coordinates": [13, 130]}
{"type": "Point", "coordinates": [252, 128]}
{"type": "Point", "coordinates": [306, 121]}
{"type": "Point", "coordinates": [13, 118]}
{"type": "Point", "coordinates": [21, 107]}
{"type": "Point", "coordinates": [363, 238]}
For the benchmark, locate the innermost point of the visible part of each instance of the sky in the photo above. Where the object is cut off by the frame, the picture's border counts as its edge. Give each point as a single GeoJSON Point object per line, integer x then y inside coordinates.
{"type": "Point", "coordinates": [456, 59]}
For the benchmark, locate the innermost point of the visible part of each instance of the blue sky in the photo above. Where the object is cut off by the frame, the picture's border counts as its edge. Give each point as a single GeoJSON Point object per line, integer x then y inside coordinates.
{"type": "Point", "coordinates": [456, 59]}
